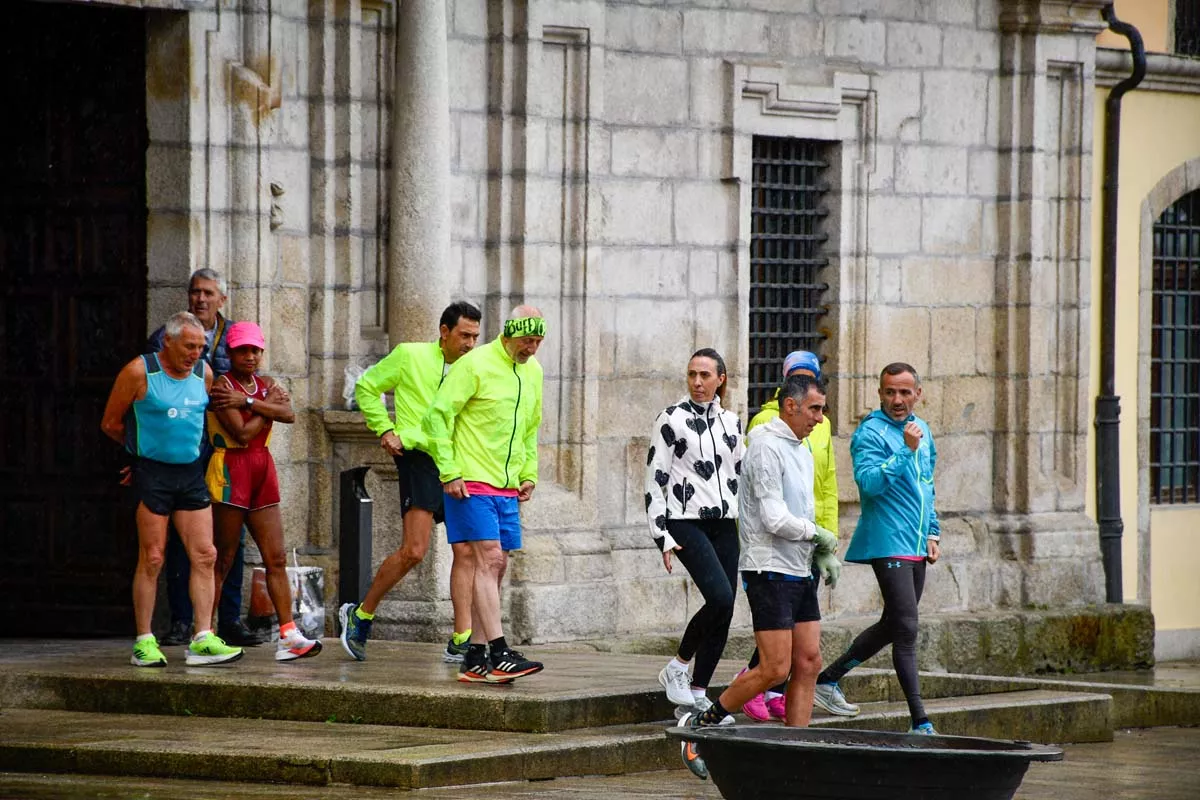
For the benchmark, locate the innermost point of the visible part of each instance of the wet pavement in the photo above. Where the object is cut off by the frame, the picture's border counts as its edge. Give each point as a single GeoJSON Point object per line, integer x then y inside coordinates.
{"type": "Point", "coordinates": [1147, 764]}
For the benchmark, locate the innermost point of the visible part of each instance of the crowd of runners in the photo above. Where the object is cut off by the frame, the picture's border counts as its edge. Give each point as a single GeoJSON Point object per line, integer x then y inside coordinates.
{"type": "Point", "coordinates": [759, 507]}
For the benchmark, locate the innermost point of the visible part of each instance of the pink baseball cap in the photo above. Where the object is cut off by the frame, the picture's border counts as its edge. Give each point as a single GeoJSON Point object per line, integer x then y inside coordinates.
{"type": "Point", "coordinates": [245, 333]}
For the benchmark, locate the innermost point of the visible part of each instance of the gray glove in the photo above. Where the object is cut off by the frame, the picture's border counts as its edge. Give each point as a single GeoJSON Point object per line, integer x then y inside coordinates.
{"type": "Point", "coordinates": [825, 541]}
{"type": "Point", "coordinates": [828, 567]}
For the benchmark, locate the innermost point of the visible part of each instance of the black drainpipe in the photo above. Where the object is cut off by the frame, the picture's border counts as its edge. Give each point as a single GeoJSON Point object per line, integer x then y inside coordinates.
{"type": "Point", "coordinates": [1108, 404]}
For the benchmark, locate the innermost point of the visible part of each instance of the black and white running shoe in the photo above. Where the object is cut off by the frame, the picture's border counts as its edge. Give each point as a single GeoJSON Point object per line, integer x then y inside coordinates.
{"type": "Point", "coordinates": [507, 665]}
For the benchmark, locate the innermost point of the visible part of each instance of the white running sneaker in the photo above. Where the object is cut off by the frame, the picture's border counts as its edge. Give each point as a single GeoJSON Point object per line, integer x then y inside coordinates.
{"type": "Point", "coordinates": [677, 683]}
{"type": "Point", "coordinates": [296, 646]}
{"type": "Point", "coordinates": [829, 697]}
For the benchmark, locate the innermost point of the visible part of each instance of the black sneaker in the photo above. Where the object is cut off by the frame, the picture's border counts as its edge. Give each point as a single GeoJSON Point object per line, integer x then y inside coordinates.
{"type": "Point", "coordinates": [237, 634]}
{"type": "Point", "coordinates": [180, 632]}
{"type": "Point", "coordinates": [508, 665]}
{"type": "Point", "coordinates": [474, 670]}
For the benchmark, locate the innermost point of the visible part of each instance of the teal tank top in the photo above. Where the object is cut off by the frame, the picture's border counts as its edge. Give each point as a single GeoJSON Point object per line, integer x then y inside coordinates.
{"type": "Point", "coordinates": [168, 423]}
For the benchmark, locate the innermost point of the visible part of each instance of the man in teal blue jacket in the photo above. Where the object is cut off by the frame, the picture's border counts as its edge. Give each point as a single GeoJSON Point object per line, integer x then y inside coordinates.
{"type": "Point", "coordinates": [898, 534]}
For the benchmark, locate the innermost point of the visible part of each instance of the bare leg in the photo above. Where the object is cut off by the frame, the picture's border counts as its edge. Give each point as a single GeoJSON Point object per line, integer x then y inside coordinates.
{"type": "Point", "coordinates": [489, 560]}
{"type": "Point", "coordinates": [806, 664]}
{"type": "Point", "coordinates": [462, 584]}
{"type": "Point", "coordinates": [266, 526]}
{"type": "Point", "coordinates": [152, 541]}
{"type": "Point", "coordinates": [418, 526]}
{"type": "Point", "coordinates": [196, 531]}
{"type": "Point", "coordinates": [774, 657]}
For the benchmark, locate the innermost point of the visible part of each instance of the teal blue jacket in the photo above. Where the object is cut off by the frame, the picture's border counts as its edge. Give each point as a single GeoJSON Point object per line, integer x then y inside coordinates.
{"type": "Point", "coordinates": [895, 486]}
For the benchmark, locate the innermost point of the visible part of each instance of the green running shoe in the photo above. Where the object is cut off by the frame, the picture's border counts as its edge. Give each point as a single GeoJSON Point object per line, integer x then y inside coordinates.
{"type": "Point", "coordinates": [147, 654]}
{"type": "Point", "coordinates": [210, 651]}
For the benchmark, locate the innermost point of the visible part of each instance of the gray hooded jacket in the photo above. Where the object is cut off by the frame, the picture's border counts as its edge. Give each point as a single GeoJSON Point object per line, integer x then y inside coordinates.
{"type": "Point", "coordinates": [777, 506]}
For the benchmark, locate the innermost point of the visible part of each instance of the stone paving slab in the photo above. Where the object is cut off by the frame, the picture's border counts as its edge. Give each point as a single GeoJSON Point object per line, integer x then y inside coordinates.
{"type": "Point", "coordinates": [314, 753]}
{"type": "Point", "coordinates": [1154, 764]}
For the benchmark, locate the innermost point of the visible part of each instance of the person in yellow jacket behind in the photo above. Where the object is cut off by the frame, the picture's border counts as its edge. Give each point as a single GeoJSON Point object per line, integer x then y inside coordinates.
{"type": "Point", "coordinates": [412, 372]}
{"type": "Point", "coordinates": [820, 443]}
{"type": "Point", "coordinates": [482, 430]}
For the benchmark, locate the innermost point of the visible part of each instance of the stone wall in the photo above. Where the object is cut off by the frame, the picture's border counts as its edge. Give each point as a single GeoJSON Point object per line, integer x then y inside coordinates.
{"type": "Point", "coordinates": [593, 158]}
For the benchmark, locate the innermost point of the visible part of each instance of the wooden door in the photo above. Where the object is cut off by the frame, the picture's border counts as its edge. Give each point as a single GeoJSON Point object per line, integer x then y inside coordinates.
{"type": "Point", "coordinates": [72, 310]}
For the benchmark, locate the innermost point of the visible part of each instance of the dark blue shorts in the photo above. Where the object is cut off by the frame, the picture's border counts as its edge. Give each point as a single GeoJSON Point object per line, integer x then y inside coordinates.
{"type": "Point", "coordinates": [483, 517]}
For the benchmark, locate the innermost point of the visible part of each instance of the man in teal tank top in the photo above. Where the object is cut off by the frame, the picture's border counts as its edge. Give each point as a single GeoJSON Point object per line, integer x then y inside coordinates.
{"type": "Point", "coordinates": [156, 411]}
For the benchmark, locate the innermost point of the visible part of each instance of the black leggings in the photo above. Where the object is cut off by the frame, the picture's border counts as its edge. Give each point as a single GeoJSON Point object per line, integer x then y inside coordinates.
{"type": "Point", "coordinates": [901, 583]}
{"type": "Point", "coordinates": [709, 552]}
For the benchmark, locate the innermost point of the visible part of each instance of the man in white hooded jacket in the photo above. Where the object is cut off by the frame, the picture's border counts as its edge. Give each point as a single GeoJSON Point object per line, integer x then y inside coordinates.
{"type": "Point", "coordinates": [778, 542]}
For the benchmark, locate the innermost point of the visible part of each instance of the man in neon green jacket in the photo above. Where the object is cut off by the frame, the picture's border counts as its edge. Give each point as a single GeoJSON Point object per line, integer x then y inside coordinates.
{"type": "Point", "coordinates": [825, 492]}
{"type": "Point", "coordinates": [412, 372]}
{"type": "Point", "coordinates": [482, 432]}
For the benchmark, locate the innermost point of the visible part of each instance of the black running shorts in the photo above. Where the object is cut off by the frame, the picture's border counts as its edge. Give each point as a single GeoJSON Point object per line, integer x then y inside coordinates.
{"type": "Point", "coordinates": [777, 605]}
{"type": "Point", "coordinates": [164, 488]}
{"type": "Point", "coordinates": [420, 483]}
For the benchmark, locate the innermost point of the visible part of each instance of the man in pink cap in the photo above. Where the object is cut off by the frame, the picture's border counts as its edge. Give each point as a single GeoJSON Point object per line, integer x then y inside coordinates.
{"type": "Point", "coordinates": [241, 475]}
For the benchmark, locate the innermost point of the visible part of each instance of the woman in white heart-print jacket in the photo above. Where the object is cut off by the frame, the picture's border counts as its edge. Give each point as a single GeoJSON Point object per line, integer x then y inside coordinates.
{"type": "Point", "coordinates": [692, 471]}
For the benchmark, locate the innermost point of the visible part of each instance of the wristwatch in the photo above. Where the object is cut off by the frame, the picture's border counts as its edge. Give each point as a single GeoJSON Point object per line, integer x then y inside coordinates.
{"type": "Point", "coordinates": [249, 402]}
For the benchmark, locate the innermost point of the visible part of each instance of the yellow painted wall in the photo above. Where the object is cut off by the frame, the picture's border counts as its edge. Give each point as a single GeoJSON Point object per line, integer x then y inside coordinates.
{"type": "Point", "coordinates": [1175, 555]}
{"type": "Point", "coordinates": [1150, 17]}
{"type": "Point", "coordinates": [1159, 132]}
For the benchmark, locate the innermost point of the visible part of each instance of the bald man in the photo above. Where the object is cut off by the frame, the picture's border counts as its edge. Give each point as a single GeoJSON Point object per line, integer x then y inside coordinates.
{"type": "Point", "coordinates": [482, 429]}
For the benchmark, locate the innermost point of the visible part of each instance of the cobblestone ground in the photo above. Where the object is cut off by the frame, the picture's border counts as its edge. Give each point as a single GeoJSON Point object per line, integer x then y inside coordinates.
{"type": "Point", "coordinates": [1150, 764]}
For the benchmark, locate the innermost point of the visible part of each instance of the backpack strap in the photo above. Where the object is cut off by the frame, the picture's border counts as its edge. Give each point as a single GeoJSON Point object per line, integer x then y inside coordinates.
{"type": "Point", "coordinates": [151, 362]}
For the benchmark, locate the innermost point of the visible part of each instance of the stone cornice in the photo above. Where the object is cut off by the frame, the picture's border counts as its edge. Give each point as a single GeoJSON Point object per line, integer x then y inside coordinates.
{"type": "Point", "coordinates": [1164, 72]}
{"type": "Point", "coordinates": [347, 426]}
{"type": "Point", "coordinates": [1081, 17]}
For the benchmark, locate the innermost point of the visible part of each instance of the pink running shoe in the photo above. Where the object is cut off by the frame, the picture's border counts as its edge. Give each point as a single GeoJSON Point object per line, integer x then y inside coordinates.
{"type": "Point", "coordinates": [777, 707]}
{"type": "Point", "coordinates": [756, 708]}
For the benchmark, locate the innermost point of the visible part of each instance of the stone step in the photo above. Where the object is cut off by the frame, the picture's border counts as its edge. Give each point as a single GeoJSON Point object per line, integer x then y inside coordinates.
{"type": "Point", "coordinates": [316, 753]}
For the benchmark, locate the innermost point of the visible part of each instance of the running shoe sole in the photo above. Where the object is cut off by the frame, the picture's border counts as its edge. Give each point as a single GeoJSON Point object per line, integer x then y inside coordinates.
{"type": "Point", "coordinates": [137, 662]}
{"type": "Point", "coordinates": [452, 658]}
{"type": "Point", "coordinates": [473, 677]}
{"type": "Point", "coordinates": [194, 660]}
{"type": "Point", "coordinates": [496, 676]}
{"type": "Point", "coordinates": [343, 619]}
{"type": "Point", "coordinates": [292, 655]}
{"type": "Point", "coordinates": [687, 751]}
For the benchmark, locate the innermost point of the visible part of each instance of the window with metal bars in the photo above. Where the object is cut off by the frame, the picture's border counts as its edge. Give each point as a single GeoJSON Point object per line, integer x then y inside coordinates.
{"type": "Point", "coordinates": [1187, 27]}
{"type": "Point", "coordinates": [1175, 355]}
{"type": "Point", "coordinates": [786, 242]}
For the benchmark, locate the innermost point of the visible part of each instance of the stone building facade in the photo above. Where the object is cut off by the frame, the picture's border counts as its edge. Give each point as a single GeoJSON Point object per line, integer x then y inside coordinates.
{"type": "Point", "coordinates": [353, 165]}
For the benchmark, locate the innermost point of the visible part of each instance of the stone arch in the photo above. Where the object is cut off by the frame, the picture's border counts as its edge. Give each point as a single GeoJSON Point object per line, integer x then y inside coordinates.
{"type": "Point", "coordinates": [1182, 180]}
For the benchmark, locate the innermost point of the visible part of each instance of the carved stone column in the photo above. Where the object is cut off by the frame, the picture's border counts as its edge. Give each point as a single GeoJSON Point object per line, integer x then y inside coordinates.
{"type": "Point", "coordinates": [419, 275]}
{"type": "Point", "coordinates": [1043, 277]}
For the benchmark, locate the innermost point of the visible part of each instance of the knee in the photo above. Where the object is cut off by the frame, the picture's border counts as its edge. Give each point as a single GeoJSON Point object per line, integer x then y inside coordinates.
{"type": "Point", "coordinates": [413, 551]}
{"type": "Point", "coordinates": [774, 671]}
{"type": "Point", "coordinates": [204, 557]}
{"type": "Point", "coordinates": [807, 665]}
{"type": "Point", "coordinates": [464, 557]}
{"type": "Point", "coordinates": [274, 562]}
{"type": "Point", "coordinates": [150, 559]}
{"type": "Point", "coordinates": [491, 559]}
{"type": "Point", "coordinates": [904, 632]}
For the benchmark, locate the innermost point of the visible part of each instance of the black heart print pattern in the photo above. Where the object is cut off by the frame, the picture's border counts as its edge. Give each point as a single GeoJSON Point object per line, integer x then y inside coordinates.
{"type": "Point", "coordinates": [649, 498]}
{"type": "Point", "coordinates": [704, 469]}
{"type": "Point", "coordinates": [718, 458]}
{"type": "Point", "coordinates": [668, 434]}
{"type": "Point", "coordinates": [730, 441]}
{"type": "Point", "coordinates": [709, 512]}
{"type": "Point", "coordinates": [680, 448]}
{"type": "Point", "coordinates": [683, 492]}
{"type": "Point", "coordinates": [696, 424]}
{"type": "Point", "coordinates": [660, 477]}
{"type": "Point", "coordinates": [660, 522]}
{"type": "Point", "coordinates": [650, 456]}
{"type": "Point", "coordinates": [731, 483]}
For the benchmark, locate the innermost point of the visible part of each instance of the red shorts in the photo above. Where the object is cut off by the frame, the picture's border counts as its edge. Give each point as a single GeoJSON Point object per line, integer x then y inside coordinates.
{"type": "Point", "coordinates": [243, 478]}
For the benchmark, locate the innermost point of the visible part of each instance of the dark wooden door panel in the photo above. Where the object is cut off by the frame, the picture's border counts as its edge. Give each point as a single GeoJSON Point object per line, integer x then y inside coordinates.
{"type": "Point", "coordinates": [72, 310]}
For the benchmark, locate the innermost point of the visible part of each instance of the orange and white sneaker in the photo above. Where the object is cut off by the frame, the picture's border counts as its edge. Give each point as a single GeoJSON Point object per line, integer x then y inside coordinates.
{"type": "Point", "coordinates": [296, 645]}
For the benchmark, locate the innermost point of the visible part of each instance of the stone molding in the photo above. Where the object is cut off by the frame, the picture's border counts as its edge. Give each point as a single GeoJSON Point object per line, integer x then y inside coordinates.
{"type": "Point", "coordinates": [1165, 72]}
{"type": "Point", "coordinates": [766, 102]}
{"type": "Point", "coordinates": [1080, 17]}
{"type": "Point", "coordinates": [1180, 181]}
{"type": "Point", "coordinates": [347, 426]}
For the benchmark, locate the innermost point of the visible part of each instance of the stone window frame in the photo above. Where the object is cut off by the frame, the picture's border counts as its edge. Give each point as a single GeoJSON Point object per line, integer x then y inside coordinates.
{"type": "Point", "coordinates": [767, 101]}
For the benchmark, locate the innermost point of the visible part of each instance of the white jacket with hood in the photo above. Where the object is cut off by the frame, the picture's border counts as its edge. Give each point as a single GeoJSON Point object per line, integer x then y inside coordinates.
{"type": "Point", "coordinates": [692, 466]}
{"type": "Point", "coordinates": [778, 509]}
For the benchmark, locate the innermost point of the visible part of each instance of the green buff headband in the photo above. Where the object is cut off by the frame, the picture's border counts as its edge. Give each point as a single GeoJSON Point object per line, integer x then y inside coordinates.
{"type": "Point", "coordinates": [524, 326]}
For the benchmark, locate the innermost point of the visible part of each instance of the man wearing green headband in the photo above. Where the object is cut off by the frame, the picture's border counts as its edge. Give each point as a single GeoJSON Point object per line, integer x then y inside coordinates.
{"type": "Point", "coordinates": [482, 431]}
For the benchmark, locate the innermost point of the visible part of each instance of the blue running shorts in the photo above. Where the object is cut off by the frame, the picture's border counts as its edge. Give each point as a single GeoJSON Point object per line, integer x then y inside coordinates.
{"type": "Point", "coordinates": [483, 517]}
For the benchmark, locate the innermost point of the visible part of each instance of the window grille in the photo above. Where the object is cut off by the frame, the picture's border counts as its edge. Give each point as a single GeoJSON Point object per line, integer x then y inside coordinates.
{"type": "Point", "coordinates": [1187, 27]}
{"type": "Point", "coordinates": [1175, 355]}
{"type": "Point", "coordinates": [786, 239]}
